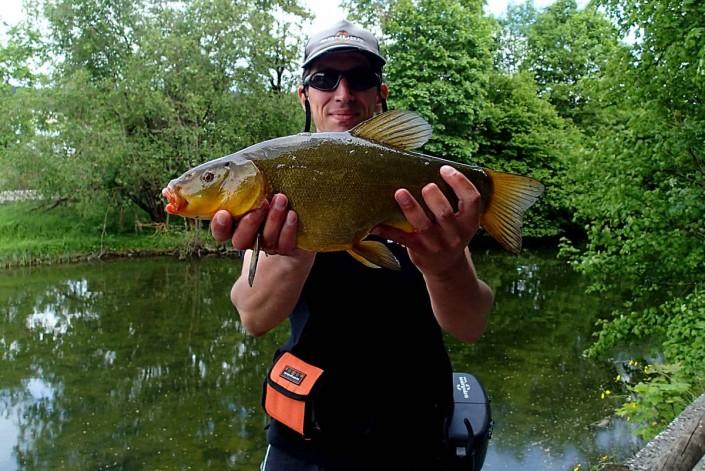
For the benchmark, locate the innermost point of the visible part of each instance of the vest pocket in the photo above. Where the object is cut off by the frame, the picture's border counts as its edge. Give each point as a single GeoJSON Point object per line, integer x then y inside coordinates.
{"type": "Point", "coordinates": [289, 390]}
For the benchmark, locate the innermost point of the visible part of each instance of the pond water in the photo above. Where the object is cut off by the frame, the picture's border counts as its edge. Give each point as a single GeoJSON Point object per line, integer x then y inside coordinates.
{"type": "Point", "coordinates": [143, 365]}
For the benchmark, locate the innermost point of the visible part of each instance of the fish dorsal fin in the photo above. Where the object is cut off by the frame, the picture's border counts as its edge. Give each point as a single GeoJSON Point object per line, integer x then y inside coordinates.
{"type": "Point", "coordinates": [398, 128]}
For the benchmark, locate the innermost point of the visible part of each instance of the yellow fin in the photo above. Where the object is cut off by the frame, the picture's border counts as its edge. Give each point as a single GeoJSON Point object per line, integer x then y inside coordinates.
{"type": "Point", "coordinates": [374, 255]}
{"type": "Point", "coordinates": [512, 195]}
{"type": "Point", "coordinates": [398, 128]}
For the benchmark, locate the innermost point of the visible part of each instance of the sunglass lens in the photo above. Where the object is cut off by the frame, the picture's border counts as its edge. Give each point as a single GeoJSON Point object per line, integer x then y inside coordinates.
{"type": "Point", "coordinates": [327, 80]}
{"type": "Point", "coordinates": [361, 79]}
{"type": "Point", "coordinates": [358, 79]}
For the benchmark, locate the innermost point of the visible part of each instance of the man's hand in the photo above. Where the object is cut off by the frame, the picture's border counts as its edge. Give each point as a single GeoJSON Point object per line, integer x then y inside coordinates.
{"type": "Point", "coordinates": [278, 233]}
{"type": "Point", "coordinates": [461, 301]}
{"type": "Point", "coordinates": [438, 246]}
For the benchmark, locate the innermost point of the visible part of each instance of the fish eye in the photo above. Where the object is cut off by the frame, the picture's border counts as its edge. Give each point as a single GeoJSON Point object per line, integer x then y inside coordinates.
{"type": "Point", "coordinates": [208, 177]}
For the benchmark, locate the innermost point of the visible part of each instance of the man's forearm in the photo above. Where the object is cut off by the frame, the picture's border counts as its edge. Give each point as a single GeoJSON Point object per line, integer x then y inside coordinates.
{"type": "Point", "coordinates": [275, 291]}
{"type": "Point", "coordinates": [461, 301]}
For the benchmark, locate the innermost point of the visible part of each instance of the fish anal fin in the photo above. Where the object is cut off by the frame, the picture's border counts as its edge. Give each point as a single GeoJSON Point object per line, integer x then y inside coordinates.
{"type": "Point", "coordinates": [374, 255]}
{"type": "Point", "coordinates": [397, 128]}
{"type": "Point", "coordinates": [512, 195]}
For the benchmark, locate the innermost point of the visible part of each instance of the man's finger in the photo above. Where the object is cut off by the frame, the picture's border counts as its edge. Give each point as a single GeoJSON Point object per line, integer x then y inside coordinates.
{"type": "Point", "coordinates": [397, 235]}
{"type": "Point", "coordinates": [275, 220]}
{"type": "Point", "coordinates": [222, 226]}
{"type": "Point", "coordinates": [287, 236]}
{"type": "Point", "coordinates": [437, 202]}
{"type": "Point", "coordinates": [444, 215]}
{"type": "Point", "coordinates": [412, 210]}
{"type": "Point", "coordinates": [246, 231]}
{"type": "Point", "coordinates": [468, 198]}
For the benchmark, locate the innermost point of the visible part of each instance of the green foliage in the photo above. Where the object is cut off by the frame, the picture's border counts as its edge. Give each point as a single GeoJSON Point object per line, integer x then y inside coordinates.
{"type": "Point", "coordinates": [512, 46]}
{"type": "Point", "coordinates": [685, 333]}
{"type": "Point", "coordinates": [522, 133]}
{"type": "Point", "coordinates": [439, 60]}
{"type": "Point", "coordinates": [15, 58]}
{"type": "Point", "coordinates": [145, 90]}
{"type": "Point", "coordinates": [656, 400]}
{"type": "Point", "coordinates": [371, 14]}
{"type": "Point", "coordinates": [565, 48]}
{"type": "Point", "coordinates": [665, 389]}
{"type": "Point", "coordinates": [16, 81]}
{"type": "Point", "coordinates": [639, 191]}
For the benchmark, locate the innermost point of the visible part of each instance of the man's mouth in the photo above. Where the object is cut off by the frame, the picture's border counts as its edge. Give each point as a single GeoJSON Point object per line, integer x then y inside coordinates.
{"type": "Point", "coordinates": [343, 113]}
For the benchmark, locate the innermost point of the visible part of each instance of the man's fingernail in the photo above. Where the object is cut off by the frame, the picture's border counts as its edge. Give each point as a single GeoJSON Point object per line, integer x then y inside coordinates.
{"type": "Point", "coordinates": [404, 198]}
{"type": "Point", "coordinates": [448, 171]}
{"type": "Point", "coordinates": [279, 202]}
{"type": "Point", "coordinates": [219, 219]}
{"type": "Point", "coordinates": [291, 217]}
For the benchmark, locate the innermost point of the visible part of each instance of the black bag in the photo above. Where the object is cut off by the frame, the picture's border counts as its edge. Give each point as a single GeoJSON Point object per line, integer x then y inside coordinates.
{"type": "Point", "coordinates": [470, 426]}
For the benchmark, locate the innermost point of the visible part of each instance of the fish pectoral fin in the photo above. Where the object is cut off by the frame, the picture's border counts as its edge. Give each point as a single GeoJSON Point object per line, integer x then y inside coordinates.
{"type": "Point", "coordinates": [374, 255]}
{"type": "Point", "coordinates": [512, 195]}
{"type": "Point", "coordinates": [397, 128]}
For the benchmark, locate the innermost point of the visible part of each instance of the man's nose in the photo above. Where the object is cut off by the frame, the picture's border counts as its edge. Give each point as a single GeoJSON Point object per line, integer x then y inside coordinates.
{"type": "Point", "coordinates": [343, 92]}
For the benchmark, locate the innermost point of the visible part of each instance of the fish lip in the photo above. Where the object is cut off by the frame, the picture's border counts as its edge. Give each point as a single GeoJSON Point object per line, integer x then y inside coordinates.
{"type": "Point", "coordinates": [176, 202]}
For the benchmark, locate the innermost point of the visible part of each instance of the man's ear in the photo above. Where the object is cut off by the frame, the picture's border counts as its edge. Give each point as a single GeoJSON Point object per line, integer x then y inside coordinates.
{"type": "Point", "coordinates": [381, 95]}
{"type": "Point", "coordinates": [302, 96]}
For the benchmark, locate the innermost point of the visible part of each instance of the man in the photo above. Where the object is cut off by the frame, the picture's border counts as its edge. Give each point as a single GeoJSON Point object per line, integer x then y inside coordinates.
{"type": "Point", "coordinates": [376, 333]}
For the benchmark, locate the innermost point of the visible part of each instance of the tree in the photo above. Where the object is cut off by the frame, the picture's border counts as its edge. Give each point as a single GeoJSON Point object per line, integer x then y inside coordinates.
{"type": "Point", "coordinates": [141, 91]}
{"type": "Point", "coordinates": [440, 63]}
{"type": "Point", "coordinates": [640, 192]}
{"type": "Point", "coordinates": [17, 79]}
{"type": "Point", "coordinates": [522, 133]}
{"type": "Point", "coordinates": [512, 38]}
{"type": "Point", "coordinates": [371, 14]}
{"type": "Point", "coordinates": [439, 59]}
{"type": "Point", "coordinates": [567, 47]}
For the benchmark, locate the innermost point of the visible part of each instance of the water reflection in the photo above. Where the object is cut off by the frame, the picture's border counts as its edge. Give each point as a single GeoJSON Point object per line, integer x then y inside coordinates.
{"type": "Point", "coordinates": [545, 395]}
{"type": "Point", "coordinates": [130, 365]}
{"type": "Point", "coordinates": [144, 365]}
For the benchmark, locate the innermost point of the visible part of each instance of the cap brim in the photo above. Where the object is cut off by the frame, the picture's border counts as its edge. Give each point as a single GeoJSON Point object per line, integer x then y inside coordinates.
{"type": "Point", "coordinates": [341, 48]}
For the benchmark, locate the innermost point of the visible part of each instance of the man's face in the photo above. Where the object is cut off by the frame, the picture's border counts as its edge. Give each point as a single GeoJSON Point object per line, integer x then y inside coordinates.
{"type": "Point", "coordinates": [343, 108]}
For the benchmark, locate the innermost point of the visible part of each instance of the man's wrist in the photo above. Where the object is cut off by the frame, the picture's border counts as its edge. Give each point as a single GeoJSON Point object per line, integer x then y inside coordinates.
{"type": "Point", "coordinates": [461, 269]}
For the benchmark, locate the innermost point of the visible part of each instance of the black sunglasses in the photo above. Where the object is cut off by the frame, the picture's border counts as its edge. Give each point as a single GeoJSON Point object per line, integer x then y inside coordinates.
{"type": "Point", "coordinates": [359, 79]}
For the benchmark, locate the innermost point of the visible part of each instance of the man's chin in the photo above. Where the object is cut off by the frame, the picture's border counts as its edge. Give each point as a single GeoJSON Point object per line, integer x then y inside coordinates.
{"type": "Point", "coordinates": [343, 122]}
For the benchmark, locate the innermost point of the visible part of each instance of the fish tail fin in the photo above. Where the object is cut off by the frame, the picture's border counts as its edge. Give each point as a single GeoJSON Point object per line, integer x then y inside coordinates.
{"type": "Point", "coordinates": [512, 195]}
{"type": "Point", "coordinates": [374, 255]}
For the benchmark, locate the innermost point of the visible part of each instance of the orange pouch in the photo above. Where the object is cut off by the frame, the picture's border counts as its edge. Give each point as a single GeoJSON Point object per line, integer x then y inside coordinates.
{"type": "Point", "coordinates": [288, 392]}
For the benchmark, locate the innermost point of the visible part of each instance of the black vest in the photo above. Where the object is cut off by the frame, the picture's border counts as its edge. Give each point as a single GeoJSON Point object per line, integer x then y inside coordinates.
{"type": "Point", "coordinates": [387, 378]}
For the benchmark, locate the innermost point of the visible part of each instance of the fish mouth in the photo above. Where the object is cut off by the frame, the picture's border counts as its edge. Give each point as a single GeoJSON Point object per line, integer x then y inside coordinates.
{"type": "Point", "coordinates": [176, 202]}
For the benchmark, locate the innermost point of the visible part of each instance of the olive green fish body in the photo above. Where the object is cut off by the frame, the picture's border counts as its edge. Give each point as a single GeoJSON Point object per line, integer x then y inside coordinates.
{"type": "Point", "coordinates": [342, 184]}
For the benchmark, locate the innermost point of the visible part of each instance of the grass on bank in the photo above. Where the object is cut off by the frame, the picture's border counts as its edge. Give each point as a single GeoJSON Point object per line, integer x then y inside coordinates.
{"type": "Point", "coordinates": [32, 234]}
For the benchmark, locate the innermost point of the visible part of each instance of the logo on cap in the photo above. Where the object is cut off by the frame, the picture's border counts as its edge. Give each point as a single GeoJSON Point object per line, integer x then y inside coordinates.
{"type": "Point", "coordinates": [342, 36]}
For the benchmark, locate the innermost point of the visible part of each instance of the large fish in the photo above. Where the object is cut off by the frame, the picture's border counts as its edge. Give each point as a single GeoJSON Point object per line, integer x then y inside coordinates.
{"type": "Point", "coordinates": [341, 184]}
